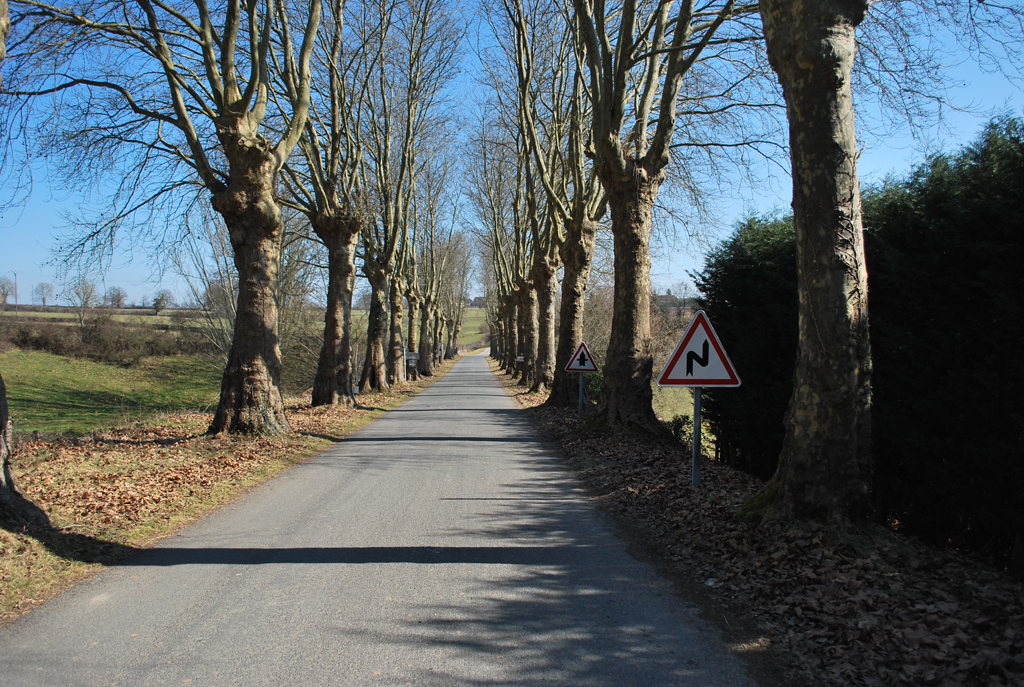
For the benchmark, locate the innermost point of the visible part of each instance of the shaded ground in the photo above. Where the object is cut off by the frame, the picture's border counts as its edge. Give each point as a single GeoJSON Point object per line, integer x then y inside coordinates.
{"type": "Point", "coordinates": [864, 605]}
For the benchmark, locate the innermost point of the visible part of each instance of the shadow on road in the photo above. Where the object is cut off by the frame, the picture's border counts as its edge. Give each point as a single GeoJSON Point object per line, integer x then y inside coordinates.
{"type": "Point", "coordinates": [428, 555]}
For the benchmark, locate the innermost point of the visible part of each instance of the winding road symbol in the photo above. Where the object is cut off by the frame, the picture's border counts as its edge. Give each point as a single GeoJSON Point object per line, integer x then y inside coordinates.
{"type": "Point", "coordinates": [699, 359]}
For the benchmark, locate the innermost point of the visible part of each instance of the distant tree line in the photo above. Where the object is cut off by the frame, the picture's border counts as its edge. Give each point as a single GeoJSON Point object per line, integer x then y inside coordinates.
{"type": "Point", "coordinates": [947, 326]}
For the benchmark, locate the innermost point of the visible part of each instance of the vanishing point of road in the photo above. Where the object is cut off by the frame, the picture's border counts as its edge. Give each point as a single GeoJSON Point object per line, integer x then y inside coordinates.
{"type": "Point", "coordinates": [441, 545]}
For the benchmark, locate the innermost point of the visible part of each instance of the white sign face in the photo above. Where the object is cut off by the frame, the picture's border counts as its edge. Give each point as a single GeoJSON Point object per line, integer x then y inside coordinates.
{"type": "Point", "coordinates": [581, 360]}
{"type": "Point", "coordinates": [699, 359]}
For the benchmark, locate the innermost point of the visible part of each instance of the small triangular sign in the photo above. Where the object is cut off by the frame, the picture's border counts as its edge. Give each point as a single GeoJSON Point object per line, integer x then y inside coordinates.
{"type": "Point", "coordinates": [699, 359]}
{"type": "Point", "coordinates": [581, 360]}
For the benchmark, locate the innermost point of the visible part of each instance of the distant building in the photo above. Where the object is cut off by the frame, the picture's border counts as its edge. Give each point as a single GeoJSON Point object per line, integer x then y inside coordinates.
{"type": "Point", "coordinates": [479, 302]}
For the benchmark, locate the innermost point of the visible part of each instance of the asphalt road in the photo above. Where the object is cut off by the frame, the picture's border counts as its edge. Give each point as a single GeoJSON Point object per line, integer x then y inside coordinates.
{"type": "Point", "coordinates": [441, 545]}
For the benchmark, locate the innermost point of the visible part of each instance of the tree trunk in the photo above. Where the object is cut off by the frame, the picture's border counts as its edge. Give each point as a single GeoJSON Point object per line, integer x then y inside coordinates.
{"type": "Point", "coordinates": [577, 253]}
{"type": "Point", "coordinates": [451, 347]}
{"type": "Point", "coordinates": [414, 323]}
{"type": "Point", "coordinates": [333, 382]}
{"type": "Point", "coordinates": [7, 488]}
{"type": "Point", "coordinates": [626, 394]}
{"type": "Point", "coordinates": [424, 365]}
{"type": "Point", "coordinates": [456, 332]}
{"type": "Point", "coordinates": [250, 394]}
{"type": "Point", "coordinates": [545, 282]}
{"type": "Point", "coordinates": [396, 348]}
{"type": "Point", "coordinates": [511, 335]}
{"type": "Point", "coordinates": [527, 333]}
{"type": "Point", "coordinates": [495, 334]}
{"type": "Point", "coordinates": [374, 365]}
{"type": "Point", "coordinates": [825, 467]}
{"type": "Point", "coordinates": [13, 506]}
{"type": "Point", "coordinates": [437, 338]}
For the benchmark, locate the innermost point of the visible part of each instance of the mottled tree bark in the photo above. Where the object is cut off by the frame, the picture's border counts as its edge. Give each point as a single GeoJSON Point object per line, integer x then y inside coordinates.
{"type": "Point", "coordinates": [425, 365]}
{"type": "Point", "coordinates": [452, 348]}
{"type": "Point", "coordinates": [396, 348]}
{"type": "Point", "coordinates": [527, 333]}
{"type": "Point", "coordinates": [546, 284]}
{"type": "Point", "coordinates": [825, 467]}
{"type": "Point", "coordinates": [250, 395]}
{"type": "Point", "coordinates": [333, 382]}
{"type": "Point", "coordinates": [374, 365]}
{"type": "Point", "coordinates": [414, 323]}
{"type": "Point", "coordinates": [511, 335]}
{"type": "Point", "coordinates": [438, 337]}
{"type": "Point", "coordinates": [626, 394]}
{"type": "Point", "coordinates": [497, 336]}
{"type": "Point", "coordinates": [577, 253]}
{"type": "Point", "coordinates": [7, 488]}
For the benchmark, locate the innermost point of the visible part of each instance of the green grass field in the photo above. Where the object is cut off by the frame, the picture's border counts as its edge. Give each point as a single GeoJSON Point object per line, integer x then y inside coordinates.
{"type": "Point", "coordinates": [50, 393]}
{"type": "Point", "coordinates": [471, 321]}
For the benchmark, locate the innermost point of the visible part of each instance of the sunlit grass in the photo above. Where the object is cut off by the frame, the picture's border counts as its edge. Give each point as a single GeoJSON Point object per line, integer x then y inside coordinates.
{"type": "Point", "coordinates": [50, 393]}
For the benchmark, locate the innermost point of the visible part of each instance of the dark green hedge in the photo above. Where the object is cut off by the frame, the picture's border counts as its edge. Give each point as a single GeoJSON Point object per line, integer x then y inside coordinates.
{"type": "Point", "coordinates": [946, 301]}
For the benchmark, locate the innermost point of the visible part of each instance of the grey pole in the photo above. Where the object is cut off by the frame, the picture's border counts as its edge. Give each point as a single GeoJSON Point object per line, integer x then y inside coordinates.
{"type": "Point", "coordinates": [581, 393]}
{"type": "Point", "coordinates": [696, 435]}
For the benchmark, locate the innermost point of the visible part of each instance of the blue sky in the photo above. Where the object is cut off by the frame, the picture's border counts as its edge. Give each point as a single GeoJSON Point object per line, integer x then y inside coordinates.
{"type": "Point", "coordinates": [28, 233]}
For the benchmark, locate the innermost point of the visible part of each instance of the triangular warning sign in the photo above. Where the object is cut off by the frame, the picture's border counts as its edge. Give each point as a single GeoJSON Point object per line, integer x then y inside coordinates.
{"type": "Point", "coordinates": [699, 359]}
{"type": "Point", "coordinates": [581, 360]}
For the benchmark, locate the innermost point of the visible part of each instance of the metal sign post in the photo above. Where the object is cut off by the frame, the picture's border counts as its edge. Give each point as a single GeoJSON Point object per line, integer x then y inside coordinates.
{"type": "Point", "coordinates": [581, 393]}
{"type": "Point", "coordinates": [696, 436]}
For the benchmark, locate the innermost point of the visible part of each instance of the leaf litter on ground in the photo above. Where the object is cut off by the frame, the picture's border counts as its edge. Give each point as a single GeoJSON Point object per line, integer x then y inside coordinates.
{"type": "Point", "coordinates": [854, 605]}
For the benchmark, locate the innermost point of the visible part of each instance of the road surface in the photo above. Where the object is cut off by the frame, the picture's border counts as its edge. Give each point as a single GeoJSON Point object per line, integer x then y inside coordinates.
{"type": "Point", "coordinates": [441, 545]}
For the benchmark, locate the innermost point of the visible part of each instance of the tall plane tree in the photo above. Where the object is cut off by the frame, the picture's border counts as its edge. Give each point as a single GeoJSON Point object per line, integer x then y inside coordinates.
{"type": "Point", "coordinates": [176, 94]}
{"type": "Point", "coordinates": [553, 114]}
{"type": "Point", "coordinates": [419, 61]}
{"type": "Point", "coordinates": [330, 188]}
{"type": "Point", "coordinates": [638, 56]}
{"type": "Point", "coordinates": [825, 469]}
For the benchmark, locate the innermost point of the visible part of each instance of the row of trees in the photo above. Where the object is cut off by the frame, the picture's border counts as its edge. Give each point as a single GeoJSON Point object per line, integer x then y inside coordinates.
{"type": "Point", "coordinates": [621, 91]}
{"type": "Point", "coordinates": [599, 108]}
{"type": "Point", "coordinates": [250, 127]}
{"type": "Point", "coordinates": [83, 293]}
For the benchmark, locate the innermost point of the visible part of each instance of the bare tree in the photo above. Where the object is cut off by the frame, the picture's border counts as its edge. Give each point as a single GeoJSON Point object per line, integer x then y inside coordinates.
{"type": "Point", "coordinates": [115, 297]}
{"type": "Point", "coordinates": [6, 289]}
{"type": "Point", "coordinates": [419, 63]}
{"type": "Point", "coordinates": [494, 193]}
{"type": "Point", "coordinates": [203, 259]}
{"type": "Point", "coordinates": [162, 300]}
{"type": "Point", "coordinates": [330, 187]}
{"type": "Point", "coordinates": [641, 57]}
{"type": "Point", "coordinates": [553, 115]}
{"type": "Point", "coordinates": [179, 95]}
{"type": "Point", "coordinates": [434, 217]}
{"type": "Point", "coordinates": [81, 294]}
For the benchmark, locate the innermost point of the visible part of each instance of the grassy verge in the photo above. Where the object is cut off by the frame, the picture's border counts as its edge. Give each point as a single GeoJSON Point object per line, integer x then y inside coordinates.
{"type": "Point", "coordinates": [109, 494]}
{"type": "Point", "coordinates": [50, 393]}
